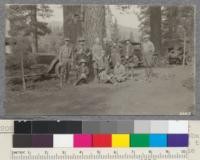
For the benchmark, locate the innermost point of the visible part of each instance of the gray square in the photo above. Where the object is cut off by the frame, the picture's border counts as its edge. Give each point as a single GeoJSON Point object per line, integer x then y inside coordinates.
{"type": "Point", "coordinates": [159, 126]}
{"type": "Point", "coordinates": [142, 126]}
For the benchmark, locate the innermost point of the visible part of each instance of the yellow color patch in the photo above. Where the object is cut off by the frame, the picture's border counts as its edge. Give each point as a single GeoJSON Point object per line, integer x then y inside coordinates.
{"type": "Point", "coordinates": [120, 140]}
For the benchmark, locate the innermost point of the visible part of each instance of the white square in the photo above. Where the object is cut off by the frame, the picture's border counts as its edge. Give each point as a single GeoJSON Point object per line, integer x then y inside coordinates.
{"type": "Point", "coordinates": [63, 140]}
{"type": "Point", "coordinates": [179, 127]}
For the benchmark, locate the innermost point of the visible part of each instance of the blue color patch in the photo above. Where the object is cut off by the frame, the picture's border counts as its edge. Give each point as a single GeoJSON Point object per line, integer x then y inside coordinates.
{"type": "Point", "coordinates": [158, 140]}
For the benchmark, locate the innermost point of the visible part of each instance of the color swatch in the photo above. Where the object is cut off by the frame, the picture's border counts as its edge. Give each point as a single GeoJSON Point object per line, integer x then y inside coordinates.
{"type": "Point", "coordinates": [82, 140]}
{"type": "Point", "coordinates": [102, 140]}
{"type": "Point", "coordinates": [120, 140]}
{"type": "Point", "coordinates": [158, 140]}
{"type": "Point", "coordinates": [177, 140]}
{"type": "Point", "coordinates": [119, 134]}
{"type": "Point", "coordinates": [139, 140]}
{"type": "Point", "coordinates": [63, 140]}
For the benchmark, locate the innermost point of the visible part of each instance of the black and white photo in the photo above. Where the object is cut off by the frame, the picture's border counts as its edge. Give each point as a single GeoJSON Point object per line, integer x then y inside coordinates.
{"type": "Point", "coordinates": [99, 59]}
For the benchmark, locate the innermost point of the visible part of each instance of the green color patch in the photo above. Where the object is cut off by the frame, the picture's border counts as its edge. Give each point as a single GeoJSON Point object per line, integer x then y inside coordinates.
{"type": "Point", "coordinates": [139, 140]}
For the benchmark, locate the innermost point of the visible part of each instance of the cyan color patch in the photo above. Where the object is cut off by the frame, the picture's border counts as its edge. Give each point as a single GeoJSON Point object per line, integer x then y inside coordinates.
{"type": "Point", "coordinates": [158, 140]}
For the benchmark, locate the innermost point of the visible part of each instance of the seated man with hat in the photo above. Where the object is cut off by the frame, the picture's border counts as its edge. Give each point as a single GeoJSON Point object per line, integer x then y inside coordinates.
{"type": "Point", "coordinates": [83, 72]}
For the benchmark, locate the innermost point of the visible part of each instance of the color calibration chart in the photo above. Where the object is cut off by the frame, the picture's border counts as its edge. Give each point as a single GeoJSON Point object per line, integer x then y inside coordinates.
{"type": "Point", "coordinates": [96, 140]}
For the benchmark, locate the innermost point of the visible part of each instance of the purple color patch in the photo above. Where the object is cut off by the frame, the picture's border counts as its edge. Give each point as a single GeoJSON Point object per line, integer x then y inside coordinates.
{"type": "Point", "coordinates": [177, 140]}
{"type": "Point", "coordinates": [82, 140]}
{"type": "Point", "coordinates": [42, 140]}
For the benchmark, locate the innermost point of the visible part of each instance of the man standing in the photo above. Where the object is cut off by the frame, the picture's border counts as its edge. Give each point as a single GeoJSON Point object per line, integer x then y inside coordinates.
{"type": "Point", "coordinates": [148, 51]}
{"type": "Point", "coordinates": [65, 55]}
{"type": "Point", "coordinates": [129, 58]}
{"type": "Point", "coordinates": [96, 55]}
{"type": "Point", "coordinates": [115, 54]}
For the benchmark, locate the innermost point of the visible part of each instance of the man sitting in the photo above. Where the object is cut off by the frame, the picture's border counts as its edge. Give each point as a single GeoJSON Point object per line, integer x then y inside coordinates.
{"type": "Point", "coordinates": [120, 72]}
{"type": "Point", "coordinates": [83, 73]}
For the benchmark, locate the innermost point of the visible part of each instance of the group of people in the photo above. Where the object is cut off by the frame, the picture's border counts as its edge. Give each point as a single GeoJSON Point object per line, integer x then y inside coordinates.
{"type": "Point", "coordinates": [104, 62]}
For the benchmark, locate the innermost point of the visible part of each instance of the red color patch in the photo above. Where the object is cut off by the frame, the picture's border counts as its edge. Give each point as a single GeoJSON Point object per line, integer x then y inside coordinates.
{"type": "Point", "coordinates": [102, 140]}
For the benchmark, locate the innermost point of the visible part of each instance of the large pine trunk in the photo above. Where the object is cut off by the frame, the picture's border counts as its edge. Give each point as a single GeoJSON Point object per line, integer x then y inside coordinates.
{"type": "Point", "coordinates": [155, 24]}
{"type": "Point", "coordinates": [72, 22]}
{"type": "Point", "coordinates": [94, 23]}
{"type": "Point", "coordinates": [173, 13]}
{"type": "Point", "coordinates": [86, 20]}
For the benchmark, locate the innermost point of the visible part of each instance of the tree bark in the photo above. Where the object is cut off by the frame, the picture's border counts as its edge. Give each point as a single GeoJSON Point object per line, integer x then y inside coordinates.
{"type": "Point", "coordinates": [94, 23]}
{"type": "Point", "coordinates": [34, 29]}
{"type": "Point", "coordinates": [87, 21]}
{"type": "Point", "coordinates": [72, 18]}
{"type": "Point", "coordinates": [173, 13]}
{"type": "Point", "coordinates": [22, 71]}
{"type": "Point", "coordinates": [155, 24]}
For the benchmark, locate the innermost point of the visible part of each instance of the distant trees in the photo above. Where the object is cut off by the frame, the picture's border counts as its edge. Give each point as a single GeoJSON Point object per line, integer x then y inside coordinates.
{"type": "Point", "coordinates": [25, 28]}
{"type": "Point", "coordinates": [163, 23]}
{"type": "Point", "coordinates": [131, 37]}
{"type": "Point", "coordinates": [115, 36]}
{"type": "Point", "coordinates": [177, 20]}
{"type": "Point", "coordinates": [24, 22]}
{"type": "Point", "coordinates": [144, 18]}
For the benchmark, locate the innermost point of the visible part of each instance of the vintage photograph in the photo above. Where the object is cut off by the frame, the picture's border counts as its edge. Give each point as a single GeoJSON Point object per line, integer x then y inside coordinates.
{"type": "Point", "coordinates": [99, 60]}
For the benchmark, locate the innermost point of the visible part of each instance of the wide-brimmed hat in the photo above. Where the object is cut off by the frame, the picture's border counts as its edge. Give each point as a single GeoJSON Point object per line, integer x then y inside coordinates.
{"type": "Point", "coordinates": [126, 40]}
{"type": "Point", "coordinates": [81, 39]}
{"type": "Point", "coordinates": [146, 37]}
{"type": "Point", "coordinates": [83, 61]}
{"type": "Point", "coordinates": [66, 39]}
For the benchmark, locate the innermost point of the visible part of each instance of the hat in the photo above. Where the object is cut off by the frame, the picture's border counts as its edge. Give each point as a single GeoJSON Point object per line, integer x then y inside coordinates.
{"type": "Point", "coordinates": [83, 61]}
{"type": "Point", "coordinates": [81, 39]}
{"type": "Point", "coordinates": [67, 39]}
{"type": "Point", "coordinates": [146, 36]}
{"type": "Point", "coordinates": [127, 40]}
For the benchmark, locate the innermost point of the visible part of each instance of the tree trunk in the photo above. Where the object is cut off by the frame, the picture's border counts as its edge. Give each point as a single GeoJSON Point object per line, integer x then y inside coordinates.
{"type": "Point", "coordinates": [34, 31]}
{"type": "Point", "coordinates": [72, 18]}
{"type": "Point", "coordinates": [173, 13]}
{"type": "Point", "coordinates": [87, 21]}
{"type": "Point", "coordinates": [22, 70]}
{"type": "Point", "coordinates": [155, 24]}
{"type": "Point", "coordinates": [184, 48]}
{"type": "Point", "coordinates": [94, 23]}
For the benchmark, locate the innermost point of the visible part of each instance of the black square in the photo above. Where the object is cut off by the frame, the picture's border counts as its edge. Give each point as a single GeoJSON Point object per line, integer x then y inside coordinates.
{"type": "Point", "coordinates": [22, 127]}
{"type": "Point", "coordinates": [22, 141]}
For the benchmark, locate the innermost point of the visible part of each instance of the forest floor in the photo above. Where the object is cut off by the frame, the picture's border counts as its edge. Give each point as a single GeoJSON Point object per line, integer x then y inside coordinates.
{"type": "Point", "coordinates": [171, 92]}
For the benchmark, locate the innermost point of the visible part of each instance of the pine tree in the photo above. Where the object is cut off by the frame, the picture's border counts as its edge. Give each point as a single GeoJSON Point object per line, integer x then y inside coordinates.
{"type": "Point", "coordinates": [94, 23]}
{"type": "Point", "coordinates": [131, 37]}
{"type": "Point", "coordinates": [155, 27]}
{"type": "Point", "coordinates": [115, 36]}
{"type": "Point", "coordinates": [144, 19]}
{"type": "Point", "coordinates": [86, 20]}
{"type": "Point", "coordinates": [73, 22]}
{"type": "Point", "coordinates": [150, 24]}
{"type": "Point", "coordinates": [177, 20]}
{"type": "Point", "coordinates": [24, 22]}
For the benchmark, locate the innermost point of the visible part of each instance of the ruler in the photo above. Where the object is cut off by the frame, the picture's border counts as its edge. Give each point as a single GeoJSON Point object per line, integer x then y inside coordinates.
{"type": "Point", "coordinates": [190, 153]}
{"type": "Point", "coordinates": [100, 154]}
